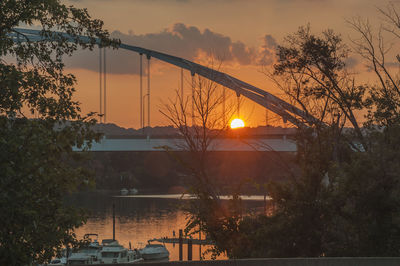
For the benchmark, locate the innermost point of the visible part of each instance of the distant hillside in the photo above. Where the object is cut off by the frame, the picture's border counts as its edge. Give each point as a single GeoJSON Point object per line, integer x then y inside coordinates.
{"type": "Point", "coordinates": [114, 130]}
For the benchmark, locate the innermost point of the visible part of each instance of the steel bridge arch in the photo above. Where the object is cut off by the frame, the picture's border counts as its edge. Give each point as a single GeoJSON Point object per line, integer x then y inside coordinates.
{"type": "Point", "coordinates": [287, 111]}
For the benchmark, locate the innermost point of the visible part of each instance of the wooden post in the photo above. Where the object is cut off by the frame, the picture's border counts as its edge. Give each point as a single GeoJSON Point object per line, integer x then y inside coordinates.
{"type": "Point", "coordinates": [200, 245]}
{"type": "Point", "coordinates": [180, 245]}
{"type": "Point", "coordinates": [265, 203]}
{"type": "Point", "coordinates": [174, 236]}
{"type": "Point", "coordinates": [190, 249]}
{"type": "Point", "coordinates": [67, 255]}
{"type": "Point", "coordinates": [113, 213]}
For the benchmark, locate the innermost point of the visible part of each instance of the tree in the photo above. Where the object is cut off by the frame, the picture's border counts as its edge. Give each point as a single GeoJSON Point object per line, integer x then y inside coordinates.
{"type": "Point", "coordinates": [200, 120]}
{"type": "Point", "coordinates": [379, 54]}
{"type": "Point", "coordinates": [368, 185]}
{"type": "Point", "coordinates": [310, 69]}
{"type": "Point", "coordinates": [345, 201]}
{"type": "Point", "coordinates": [37, 165]}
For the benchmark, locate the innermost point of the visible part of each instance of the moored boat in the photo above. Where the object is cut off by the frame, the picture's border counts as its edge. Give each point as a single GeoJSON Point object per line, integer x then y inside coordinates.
{"type": "Point", "coordinates": [87, 254]}
{"type": "Point", "coordinates": [58, 261]}
{"type": "Point", "coordinates": [113, 252]}
{"type": "Point", "coordinates": [81, 259]}
{"type": "Point", "coordinates": [133, 191]}
{"type": "Point", "coordinates": [110, 251]}
{"type": "Point", "coordinates": [154, 252]}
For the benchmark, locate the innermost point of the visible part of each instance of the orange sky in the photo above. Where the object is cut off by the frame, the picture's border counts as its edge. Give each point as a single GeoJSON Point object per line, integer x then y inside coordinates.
{"type": "Point", "coordinates": [243, 32]}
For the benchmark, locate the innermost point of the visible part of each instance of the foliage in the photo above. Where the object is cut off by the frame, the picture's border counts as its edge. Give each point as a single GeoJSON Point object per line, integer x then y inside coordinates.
{"type": "Point", "coordinates": [366, 202]}
{"type": "Point", "coordinates": [345, 201]}
{"type": "Point", "coordinates": [345, 198]}
{"type": "Point", "coordinates": [312, 72]}
{"type": "Point", "coordinates": [37, 165]}
{"type": "Point", "coordinates": [378, 52]}
{"type": "Point", "coordinates": [199, 127]}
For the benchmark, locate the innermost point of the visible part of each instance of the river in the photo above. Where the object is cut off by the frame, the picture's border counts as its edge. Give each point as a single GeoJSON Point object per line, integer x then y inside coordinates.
{"type": "Point", "coordinates": [140, 218]}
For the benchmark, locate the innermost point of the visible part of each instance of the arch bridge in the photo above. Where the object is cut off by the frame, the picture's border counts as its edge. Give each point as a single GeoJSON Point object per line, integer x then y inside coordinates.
{"type": "Point", "coordinates": [287, 111]}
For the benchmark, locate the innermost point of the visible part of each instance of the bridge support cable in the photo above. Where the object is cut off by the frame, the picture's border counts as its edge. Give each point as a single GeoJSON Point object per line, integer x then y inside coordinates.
{"type": "Point", "coordinates": [182, 95]}
{"type": "Point", "coordinates": [144, 111]}
{"type": "Point", "coordinates": [223, 107]}
{"type": "Point", "coordinates": [148, 90]}
{"type": "Point", "coordinates": [105, 85]}
{"type": "Point", "coordinates": [193, 97]}
{"type": "Point", "coordinates": [287, 111]}
{"type": "Point", "coordinates": [238, 106]}
{"type": "Point", "coordinates": [101, 84]}
{"type": "Point", "coordinates": [141, 89]}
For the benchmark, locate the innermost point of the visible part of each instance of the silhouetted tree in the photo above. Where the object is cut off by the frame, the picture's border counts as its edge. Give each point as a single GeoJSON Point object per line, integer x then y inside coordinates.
{"type": "Point", "coordinates": [200, 120]}
{"type": "Point", "coordinates": [346, 200]}
{"type": "Point", "coordinates": [37, 165]}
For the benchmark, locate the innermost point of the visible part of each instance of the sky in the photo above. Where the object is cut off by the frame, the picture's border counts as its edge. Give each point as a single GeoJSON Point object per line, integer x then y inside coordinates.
{"type": "Point", "coordinates": [241, 33]}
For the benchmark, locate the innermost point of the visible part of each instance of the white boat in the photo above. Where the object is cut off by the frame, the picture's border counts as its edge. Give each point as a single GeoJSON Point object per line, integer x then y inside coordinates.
{"type": "Point", "coordinates": [154, 252]}
{"type": "Point", "coordinates": [113, 252]}
{"type": "Point", "coordinates": [58, 262]}
{"type": "Point", "coordinates": [110, 251]}
{"type": "Point", "coordinates": [133, 191]}
{"type": "Point", "coordinates": [124, 192]}
{"type": "Point", "coordinates": [81, 259]}
{"type": "Point", "coordinates": [88, 254]}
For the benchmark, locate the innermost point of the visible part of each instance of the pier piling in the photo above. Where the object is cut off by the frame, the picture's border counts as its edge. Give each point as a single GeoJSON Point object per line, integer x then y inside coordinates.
{"type": "Point", "coordinates": [190, 251]}
{"type": "Point", "coordinates": [180, 245]}
{"type": "Point", "coordinates": [113, 214]}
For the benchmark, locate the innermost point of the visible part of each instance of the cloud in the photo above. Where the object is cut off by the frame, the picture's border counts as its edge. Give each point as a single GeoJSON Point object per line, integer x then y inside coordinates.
{"type": "Point", "coordinates": [243, 54]}
{"type": "Point", "coordinates": [394, 64]}
{"type": "Point", "coordinates": [267, 51]}
{"type": "Point", "coordinates": [351, 62]}
{"type": "Point", "coordinates": [180, 40]}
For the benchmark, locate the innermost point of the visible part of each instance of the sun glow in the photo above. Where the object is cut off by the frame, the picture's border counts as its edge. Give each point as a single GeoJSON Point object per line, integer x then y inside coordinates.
{"type": "Point", "coordinates": [237, 123]}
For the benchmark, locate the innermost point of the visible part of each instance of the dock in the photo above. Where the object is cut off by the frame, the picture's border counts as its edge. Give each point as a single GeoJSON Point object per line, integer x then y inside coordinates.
{"type": "Point", "coordinates": [174, 240]}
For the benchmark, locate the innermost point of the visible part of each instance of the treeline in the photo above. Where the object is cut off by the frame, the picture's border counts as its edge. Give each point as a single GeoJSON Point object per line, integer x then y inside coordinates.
{"type": "Point", "coordinates": [159, 171]}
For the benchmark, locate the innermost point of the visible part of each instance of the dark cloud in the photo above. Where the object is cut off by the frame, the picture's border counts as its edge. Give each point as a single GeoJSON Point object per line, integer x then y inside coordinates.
{"type": "Point", "coordinates": [243, 54]}
{"type": "Point", "coordinates": [267, 51]}
{"type": "Point", "coordinates": [394, 64]}
{"type": "Point", "coordinates": [179, 40]}
{"type": "Point", "coordinates": [351, 62]}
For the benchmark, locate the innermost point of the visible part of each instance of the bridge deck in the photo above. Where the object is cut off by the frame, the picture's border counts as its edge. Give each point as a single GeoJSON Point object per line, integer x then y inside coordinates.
{"type": "Point", "coordinates": [281, 144]}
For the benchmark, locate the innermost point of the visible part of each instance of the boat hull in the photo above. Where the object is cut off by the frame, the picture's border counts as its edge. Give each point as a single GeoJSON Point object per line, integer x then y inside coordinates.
{"type": "Point", "coordinates": [155, 256]}
{"type": "Point", "coordinates": [154, 252]}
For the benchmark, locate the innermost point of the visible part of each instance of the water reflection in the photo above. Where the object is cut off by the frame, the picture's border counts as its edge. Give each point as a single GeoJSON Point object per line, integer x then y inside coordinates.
{"type": "Point", "coordinates": [137, 220]}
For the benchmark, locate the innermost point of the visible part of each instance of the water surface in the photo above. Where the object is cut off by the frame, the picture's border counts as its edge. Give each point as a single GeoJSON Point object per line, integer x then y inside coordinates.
{"type": "Point", "coordinates": [138, 219]}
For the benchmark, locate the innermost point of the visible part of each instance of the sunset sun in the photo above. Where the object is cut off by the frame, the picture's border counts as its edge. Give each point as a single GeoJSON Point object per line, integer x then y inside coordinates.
{"type": "Point", "coordinates": [237, 123]}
